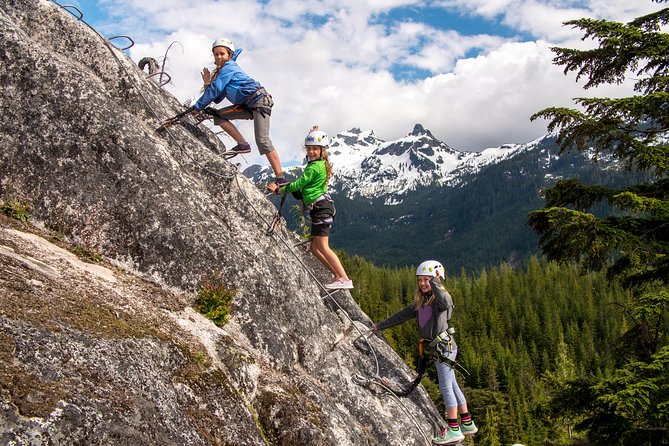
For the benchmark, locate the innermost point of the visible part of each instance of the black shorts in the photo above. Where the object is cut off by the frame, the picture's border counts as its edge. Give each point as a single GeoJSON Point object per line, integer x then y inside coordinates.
{"type": "Point", "coordinates": [322, 217]}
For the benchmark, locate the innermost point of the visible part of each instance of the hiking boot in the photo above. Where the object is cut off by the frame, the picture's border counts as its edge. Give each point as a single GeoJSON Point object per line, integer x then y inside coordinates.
{"type": "Point", "coordinates": [243, 147]}
{"type": "Point", "coordinates": [448, 436]}
{"type": "Point", "coordinates": [470, 429]}
{"type": "Point", "coordinates": [280, 181]}
{"type": "Point", "coordinates": [340, 284]}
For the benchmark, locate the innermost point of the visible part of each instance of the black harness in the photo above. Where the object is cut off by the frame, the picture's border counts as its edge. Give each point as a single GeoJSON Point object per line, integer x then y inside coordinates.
{"type": "Point", "coordinates": [439, 352]}
{"type": "Point", "coordinates": [251, 101]}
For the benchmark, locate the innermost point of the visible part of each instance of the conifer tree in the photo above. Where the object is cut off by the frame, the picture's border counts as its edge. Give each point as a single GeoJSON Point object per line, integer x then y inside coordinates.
{"type": "Point", "coordinates": [632, 242]}
{"type": "Point", "coordinates": [490, 435]}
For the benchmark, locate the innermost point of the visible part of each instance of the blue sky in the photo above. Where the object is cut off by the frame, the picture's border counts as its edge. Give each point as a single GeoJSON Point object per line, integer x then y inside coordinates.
{"type": "Point", "coordinates": [442, 18]}
{"type": "Point", "coordinates": [470, 71]}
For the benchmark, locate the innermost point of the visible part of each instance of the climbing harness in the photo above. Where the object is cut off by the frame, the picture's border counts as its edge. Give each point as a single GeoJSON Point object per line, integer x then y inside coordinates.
{"type": "Point", "coordinates": [443, 342]}
{"type": "Point", "coordinates": [325, 205]}
{"type": "Point", "coordinates": [438, 348]}
{"type": "Point", "coordinates": [225, 112]}
{"type": "Point", "coordinates": [255, 102]}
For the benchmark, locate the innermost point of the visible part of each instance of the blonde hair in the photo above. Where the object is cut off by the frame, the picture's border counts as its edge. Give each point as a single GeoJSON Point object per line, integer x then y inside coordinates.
{"type": "Point", "coordinates": [324, 157]}
{"type": "Point", "coordinates": [328, 166]}
{"type": "Point", "coordinates": [211, 78]}
{"type": "Point", "coordinates": [421, 299]}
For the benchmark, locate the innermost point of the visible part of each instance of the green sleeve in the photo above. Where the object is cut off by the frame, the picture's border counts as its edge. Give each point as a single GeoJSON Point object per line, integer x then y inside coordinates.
{"type": "Point", "coordinates": [304, 179]}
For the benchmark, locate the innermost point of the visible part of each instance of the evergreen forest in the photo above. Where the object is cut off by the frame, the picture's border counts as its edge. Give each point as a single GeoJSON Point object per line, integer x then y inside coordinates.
{"type": "Point", "coordinates": [573, 349]}
{"type": "Point", "coordinates": [522, 335]}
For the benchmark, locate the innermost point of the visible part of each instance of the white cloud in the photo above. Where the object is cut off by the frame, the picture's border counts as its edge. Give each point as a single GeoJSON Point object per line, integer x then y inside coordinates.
{"type": "Point", "coordinates": [545, 21]}
{"type": "Point", "coordinates": [489, 9]}
{"type": "Point", "coordinates": [543, 18]}
{"type": "Point", "coordinates": [446, 48]}
{"type": "Point", "coordinates": [330, 63]}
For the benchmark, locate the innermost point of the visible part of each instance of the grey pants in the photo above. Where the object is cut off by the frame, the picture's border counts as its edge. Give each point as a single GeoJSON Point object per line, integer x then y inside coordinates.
{"type": "Point", "coordinates": [260, 121]}
{"type": "Point", "coordinates": [448, 385]}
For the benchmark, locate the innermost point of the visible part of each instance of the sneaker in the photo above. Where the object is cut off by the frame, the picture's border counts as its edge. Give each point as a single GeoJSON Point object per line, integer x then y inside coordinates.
{"type": "Point", "coordinates": [242, 148]}
{"type": "Point", "coordinates": [448, 436]}
{"type": "Point", "coordinates": [340, 284]}
{"type": "Point", "coordinates": [280, 181]}
{"type": "Point", "coordinates": [470, 429]}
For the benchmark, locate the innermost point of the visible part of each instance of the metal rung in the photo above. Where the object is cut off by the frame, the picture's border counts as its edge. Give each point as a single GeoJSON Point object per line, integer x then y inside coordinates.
{"type": "Point", "coordinates": [161, 73]}
{"type": "Point", "coordinates": [360, 380]}
{"type": "Point", "coordinates": [132, 42]}
{"type": "Point", "coordinates": [68, 7]}
{"type": "Point", "coordinates": [303, 242]}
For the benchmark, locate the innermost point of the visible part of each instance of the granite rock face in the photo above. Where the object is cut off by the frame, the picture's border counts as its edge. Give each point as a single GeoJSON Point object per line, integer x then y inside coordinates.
{"type": "Point", "coordinates": [111, 351]}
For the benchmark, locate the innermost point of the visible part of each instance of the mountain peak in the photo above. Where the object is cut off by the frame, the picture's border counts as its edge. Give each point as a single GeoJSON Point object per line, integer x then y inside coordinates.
{"type": "Point", "coordinates": [419, 130]}
{"type": "Point", "coordinates": [355, 137]}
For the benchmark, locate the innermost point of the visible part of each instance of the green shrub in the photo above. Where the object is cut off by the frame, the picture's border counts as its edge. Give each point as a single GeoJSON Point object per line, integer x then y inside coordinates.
{"type": "Point", "coordinates": [215, 300]}
{"type": "Point", "coordinates": [15, 209]}
{"type": "Point", "coordinates": [90, 254]}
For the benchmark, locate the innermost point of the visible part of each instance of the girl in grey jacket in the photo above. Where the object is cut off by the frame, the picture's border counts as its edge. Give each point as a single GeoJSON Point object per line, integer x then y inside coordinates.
{"type": "Point", "coordinates": [432, 308]}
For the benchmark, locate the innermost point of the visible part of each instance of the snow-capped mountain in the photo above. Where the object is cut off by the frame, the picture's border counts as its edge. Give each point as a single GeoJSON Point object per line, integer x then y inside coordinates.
{"type": "Point", "coordinates": [416, 197]}
{"type": "Point", "coordinates": [368, 167]}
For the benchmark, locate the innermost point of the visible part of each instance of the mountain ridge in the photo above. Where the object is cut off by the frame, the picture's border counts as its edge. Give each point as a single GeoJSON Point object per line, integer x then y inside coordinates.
{"type": "Point", "coordinates": [416, 197]}
{"type": "Point", "coordinates": [369, 167]}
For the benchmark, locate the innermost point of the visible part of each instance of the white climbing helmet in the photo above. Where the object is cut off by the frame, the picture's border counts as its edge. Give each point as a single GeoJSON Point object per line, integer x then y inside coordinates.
{"type": "Point", "coordinates": [223, 42]}
{"type": "Point", "coordinates": [430, 268]}
{"type": "Point", "coordinates": [317, 138]}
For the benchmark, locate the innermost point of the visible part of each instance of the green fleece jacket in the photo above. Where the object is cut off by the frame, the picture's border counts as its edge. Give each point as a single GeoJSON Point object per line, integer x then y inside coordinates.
{"type": "Point", "coordinates": [311, 182]}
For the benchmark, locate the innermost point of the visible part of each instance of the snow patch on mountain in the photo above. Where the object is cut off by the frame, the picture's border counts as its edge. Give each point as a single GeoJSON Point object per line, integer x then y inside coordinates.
{"type": "Point", "coordinates": [369, 167]}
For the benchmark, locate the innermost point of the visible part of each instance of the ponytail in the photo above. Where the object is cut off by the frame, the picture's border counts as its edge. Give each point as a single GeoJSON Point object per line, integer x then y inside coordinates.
{"type": "Point", "coordinates": [328, 165]}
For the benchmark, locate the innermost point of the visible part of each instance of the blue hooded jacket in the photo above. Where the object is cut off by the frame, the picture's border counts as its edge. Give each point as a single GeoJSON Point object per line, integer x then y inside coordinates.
{"type": "Point", "coordinates": [231, 83]}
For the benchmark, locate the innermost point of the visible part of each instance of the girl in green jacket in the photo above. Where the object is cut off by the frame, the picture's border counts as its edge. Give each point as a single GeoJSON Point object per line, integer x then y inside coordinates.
{"type": "Point", "coordinates": [313, 185]}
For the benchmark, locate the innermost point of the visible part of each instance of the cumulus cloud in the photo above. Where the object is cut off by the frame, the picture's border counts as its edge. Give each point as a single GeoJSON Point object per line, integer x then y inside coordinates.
{"type": "Point", "coordinates": [344, 63]}
{"type": "Point", "coordinates": [543, 18]}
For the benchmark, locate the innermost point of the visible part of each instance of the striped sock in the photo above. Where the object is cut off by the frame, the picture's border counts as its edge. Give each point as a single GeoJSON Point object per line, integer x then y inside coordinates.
{"type": "Point", "coordinates": [466, 418]}
{"type": "Point", "coordinates": [453, 424]}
